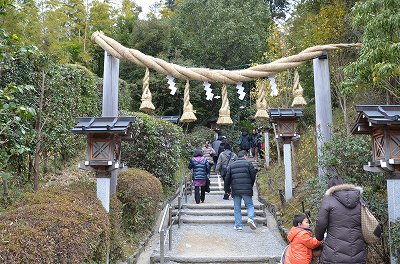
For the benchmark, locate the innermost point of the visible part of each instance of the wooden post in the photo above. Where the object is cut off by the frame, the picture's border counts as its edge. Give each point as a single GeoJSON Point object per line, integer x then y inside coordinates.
{"type": "Point", "coordinates": [323, 104]}
{"type": "Point", "coordinates": [110, 100]}
{"type": "Point", "coordinates": [287, 157]}
{"type": "Point", "coordinates": [393, 186]}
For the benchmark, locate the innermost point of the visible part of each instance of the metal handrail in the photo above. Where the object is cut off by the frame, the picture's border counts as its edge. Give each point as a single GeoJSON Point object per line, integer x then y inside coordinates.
{"type": "Point", "coordinates": [163, 230]}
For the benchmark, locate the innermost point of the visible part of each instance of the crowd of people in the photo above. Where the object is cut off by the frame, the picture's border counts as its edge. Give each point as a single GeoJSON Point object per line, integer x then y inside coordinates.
{"type": "Point", "coordinates": [338, 234]}
{"type": "Point", "coordinates": [237, 172]}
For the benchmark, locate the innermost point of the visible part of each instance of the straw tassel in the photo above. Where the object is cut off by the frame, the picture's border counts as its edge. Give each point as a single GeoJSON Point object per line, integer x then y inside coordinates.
{"type": "Point", "coordinates": [224, 112]}
{"type": "Point", "coordinates": [261, 103]}
{"type": "Point", "coordinates": [188, 113]}
{"type": "Point", "coordinates": [298, 100]}
{"type": "Point", "coordinates": [146, 105]}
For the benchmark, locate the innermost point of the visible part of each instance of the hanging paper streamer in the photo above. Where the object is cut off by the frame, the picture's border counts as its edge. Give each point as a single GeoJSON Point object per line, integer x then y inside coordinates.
{"type": "Point", "coordinates": [188, 113]}
{"type": "Point", "coordinates": [240, 91]}
{"type": "Point", "coordinates": [298, 100]}
{"type": "Point", "coordinates": [208, 90]}
{"type": "Point", "coordinates": [146, 105]}
{"type": "Point", "coordinates": [274, 91]}
{"type": "Point", "coordinates": [224, 112]}
{"type": "Point", "coordinates": [262, 103]}
{"type": "Point", "coordinates": [171, 84]}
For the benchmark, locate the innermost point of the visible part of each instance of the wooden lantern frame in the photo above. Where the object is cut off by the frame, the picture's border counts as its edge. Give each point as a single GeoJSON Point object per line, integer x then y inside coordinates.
{"type": "Point", "coordinates": [286, 120]}
{"type": "Point", "coordinates": [104, 137]}
{"type": "Point", "coordinates": [382, 123]}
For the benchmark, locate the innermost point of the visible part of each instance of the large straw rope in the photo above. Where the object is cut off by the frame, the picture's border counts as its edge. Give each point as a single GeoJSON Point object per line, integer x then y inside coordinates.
{"type": "Point", "coordinates": [203, 74]}
{"type": "Point", "coordinates": [188, 113]}
{"type": "Point", "coordinates": [224, 112]}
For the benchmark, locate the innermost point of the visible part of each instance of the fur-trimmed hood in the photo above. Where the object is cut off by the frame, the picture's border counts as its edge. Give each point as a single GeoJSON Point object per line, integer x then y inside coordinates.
{"type": "Point", "coordinates": [347, 194]}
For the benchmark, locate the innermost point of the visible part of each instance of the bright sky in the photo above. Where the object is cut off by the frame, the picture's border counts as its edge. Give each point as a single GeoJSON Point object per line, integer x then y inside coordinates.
{"type": "Point", "coordinates": [145, 4]}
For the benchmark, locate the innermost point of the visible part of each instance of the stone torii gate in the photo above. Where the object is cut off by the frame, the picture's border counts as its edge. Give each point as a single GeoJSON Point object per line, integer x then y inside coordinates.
{"type": "Point", "coordinates": [114, 51]}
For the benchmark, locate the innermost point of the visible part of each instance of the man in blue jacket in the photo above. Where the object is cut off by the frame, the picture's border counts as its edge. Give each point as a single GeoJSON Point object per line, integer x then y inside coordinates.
{"type": "Point", "coordinates": [239, 180]}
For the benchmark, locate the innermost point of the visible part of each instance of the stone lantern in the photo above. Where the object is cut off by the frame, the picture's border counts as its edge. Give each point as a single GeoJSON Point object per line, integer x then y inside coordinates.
{"type": "Point", "coordinates": [382, 123]}
{"type": "Point", "coordinates": [104, 136]}
{"type": "Point", "coordinates": [286, 121]}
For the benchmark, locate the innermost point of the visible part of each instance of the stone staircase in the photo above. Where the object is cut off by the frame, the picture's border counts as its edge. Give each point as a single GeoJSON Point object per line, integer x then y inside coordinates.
{"type": "Point", "coordinates": [219, 211]}
{"type": "Point", "coordinates": [206, 234]}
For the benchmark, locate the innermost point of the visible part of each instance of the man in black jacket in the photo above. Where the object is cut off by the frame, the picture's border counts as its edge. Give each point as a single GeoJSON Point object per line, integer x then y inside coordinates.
{"type": "Point", "coordinates": [239, 180]}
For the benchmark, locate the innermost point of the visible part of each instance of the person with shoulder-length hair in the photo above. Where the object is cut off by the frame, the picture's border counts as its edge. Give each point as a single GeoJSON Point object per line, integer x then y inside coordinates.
{"type": "Point", "coordinates": [340, 217]}
{"type": "Point", "coordinates": [200, 173]}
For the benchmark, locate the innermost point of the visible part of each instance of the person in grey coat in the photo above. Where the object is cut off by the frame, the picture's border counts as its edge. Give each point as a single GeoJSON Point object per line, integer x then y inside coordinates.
{"type": "Point", "coordinates": [340, 217]}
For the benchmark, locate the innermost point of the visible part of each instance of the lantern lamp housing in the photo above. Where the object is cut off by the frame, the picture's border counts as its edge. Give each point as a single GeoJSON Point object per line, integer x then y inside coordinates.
{"type": "Point", "coordinates": [382, 123]}
{"type": "Point", "coordinates": [104, 136]}
{"type": "Point", "coordinates": [286, 121]}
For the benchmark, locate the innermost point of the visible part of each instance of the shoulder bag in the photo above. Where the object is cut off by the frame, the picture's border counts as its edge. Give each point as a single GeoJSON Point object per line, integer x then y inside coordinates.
{"type": "Point", "coordinates": [370, 227]}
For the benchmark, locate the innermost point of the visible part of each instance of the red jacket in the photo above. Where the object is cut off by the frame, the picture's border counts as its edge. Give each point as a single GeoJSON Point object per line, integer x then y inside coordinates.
{"type": "Point", "coordinates": [301, 245]}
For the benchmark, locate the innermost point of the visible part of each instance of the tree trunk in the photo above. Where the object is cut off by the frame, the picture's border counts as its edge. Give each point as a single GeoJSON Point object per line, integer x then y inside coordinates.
{"type": "Point", "coordinates": [5, 190]}
{"type": "Point", "coordinates": [30, 167]}
{"type": "Point", "coordinates": [38, 129]}
{"type": "Point", "coordinates": [45, 162]}
{"type": "Point", "coordinates": [345, 116]}
{"type": "Point", "coordinates": [20, 178]}
{"type": "Point", "coordinates": [277, 144]}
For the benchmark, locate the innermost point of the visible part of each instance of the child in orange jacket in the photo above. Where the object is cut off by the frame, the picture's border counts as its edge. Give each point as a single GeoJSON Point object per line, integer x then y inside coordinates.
{"type": "Point", "coordinates": [301, 241]}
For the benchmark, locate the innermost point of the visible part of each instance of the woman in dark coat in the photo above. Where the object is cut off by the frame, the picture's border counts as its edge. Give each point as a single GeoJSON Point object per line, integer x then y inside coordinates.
{"type": "Point", "coordinates": [340, 216]}
{"type": "Point", "coordinates": [200, 173]}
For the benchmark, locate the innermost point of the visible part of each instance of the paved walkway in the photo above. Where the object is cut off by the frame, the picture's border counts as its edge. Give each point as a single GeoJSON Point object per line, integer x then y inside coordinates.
{"type": "Point", "coordinates": [206, 234]}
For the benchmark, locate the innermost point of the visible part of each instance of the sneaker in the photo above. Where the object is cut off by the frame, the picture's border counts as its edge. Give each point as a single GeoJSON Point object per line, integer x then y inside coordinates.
{"type": "Point", "coordinates": [240, 229]}
{"type": "Point", "coordinates": [251, 223]}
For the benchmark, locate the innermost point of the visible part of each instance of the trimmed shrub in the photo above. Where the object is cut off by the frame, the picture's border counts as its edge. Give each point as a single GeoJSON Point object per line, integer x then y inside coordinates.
{"type": "Point", "coordinates": [140, 193]}
{"type": "Point", "coordinates": [195, 140]}
{"type": "Point", "coordinates": [55, 225]}
{"type": "Point", "coordinates": [115, 218]}
{"type": "Point", "coordinates": [155, 147]}
{"type": "Point", "coordinates": [116, 235]}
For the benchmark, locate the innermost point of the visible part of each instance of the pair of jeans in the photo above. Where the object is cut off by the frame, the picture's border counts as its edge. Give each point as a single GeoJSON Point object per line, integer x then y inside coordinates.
{"type": "Point", "coordinates": [237, 203]}
{"type": "Point", "coordinates": [197, 195]}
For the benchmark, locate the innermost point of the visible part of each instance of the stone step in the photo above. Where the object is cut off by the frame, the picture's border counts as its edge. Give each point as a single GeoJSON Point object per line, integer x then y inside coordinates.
{"type": "Point", "coordinates": [191, 219]}
{"type": "Point", "coordinates": [214, 260]}
{"type": "Point", "coordinates": [227, 205]}
{"type": "Point", "coordinates": [214, 212]}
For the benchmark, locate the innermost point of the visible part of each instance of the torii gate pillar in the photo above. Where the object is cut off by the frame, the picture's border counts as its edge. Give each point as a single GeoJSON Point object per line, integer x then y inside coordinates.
{"type": "Point", "coordinates": [323, 103]}
{"type": "Point", "coordinates": [110, 103]}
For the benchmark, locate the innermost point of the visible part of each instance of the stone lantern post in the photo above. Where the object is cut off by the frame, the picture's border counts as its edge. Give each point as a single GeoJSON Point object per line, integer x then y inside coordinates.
{"type": "Point", "coordinates": [286, 120]}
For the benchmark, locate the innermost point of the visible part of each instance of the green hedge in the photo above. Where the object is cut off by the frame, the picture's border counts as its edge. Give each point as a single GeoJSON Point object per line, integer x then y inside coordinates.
{"type": "Point", "coordinates": [55, 226]}
{"type": "Point", "coordinates": [156, 147]}
{"type": "Point", "coordinates": [140, 193]}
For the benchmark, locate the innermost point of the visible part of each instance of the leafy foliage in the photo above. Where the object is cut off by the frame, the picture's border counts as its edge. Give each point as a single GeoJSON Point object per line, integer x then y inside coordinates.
{"type": "Point", "coordinates": [156, 147]}
{"type": "Point", "coordinates": [221, 33]}
{"type": "Point", "coordinates": [395, 237]}
{"type": "Point", "coordinates": [55, 226]}
{"type": "Point", "coordinates": [378, 63]}
{"type": "Point", "coordinates": [140, 193]}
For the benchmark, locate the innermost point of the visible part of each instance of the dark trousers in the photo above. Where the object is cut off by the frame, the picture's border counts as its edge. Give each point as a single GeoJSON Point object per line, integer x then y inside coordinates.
{"type": "Point", "coordinates": [197, 195]}
{"type": "Point", "coordinates": [215, 159]}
